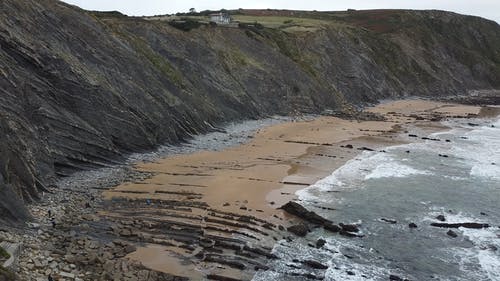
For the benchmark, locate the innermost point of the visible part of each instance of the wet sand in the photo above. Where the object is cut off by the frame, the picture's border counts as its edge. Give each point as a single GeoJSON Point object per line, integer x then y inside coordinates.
{"type": "Point", "coordinates": [256, 178]}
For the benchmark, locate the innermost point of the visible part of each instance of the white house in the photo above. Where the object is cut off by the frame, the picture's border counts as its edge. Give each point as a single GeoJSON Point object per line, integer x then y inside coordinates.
{"type": "Point", "coordinates": [220, 18]}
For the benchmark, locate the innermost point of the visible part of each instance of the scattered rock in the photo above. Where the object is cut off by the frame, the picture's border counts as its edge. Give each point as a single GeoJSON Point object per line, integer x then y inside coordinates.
{"type": "Point", "coordinates": [349, 146]}
{"type": "Point", "coordinates": [391, 221]}
{"type": "Point", "coordinates": [315, 264]}
{"type": "Point", "coordinates": [332, 227]}
{"type": "Point", "coordinates": [320, 243]}
{"type": "Point", "coordinates": [299, 229]}
{"type": "Point", "coordinates": [452, 233]}
{"type": "Point", "coordinates": [349, 227]}
{"type": "Point", "coordinates": [441, 218]}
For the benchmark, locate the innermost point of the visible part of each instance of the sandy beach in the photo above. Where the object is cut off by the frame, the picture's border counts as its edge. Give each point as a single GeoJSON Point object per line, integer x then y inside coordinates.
{"type": "Point", "coordinates": [256, 178]}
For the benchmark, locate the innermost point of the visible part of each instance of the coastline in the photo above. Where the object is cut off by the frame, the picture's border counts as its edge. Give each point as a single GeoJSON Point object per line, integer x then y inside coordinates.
{"type": "Point", "coordinates": [258, 177]}
{"type": "Point", "coordinates": [278, 161]}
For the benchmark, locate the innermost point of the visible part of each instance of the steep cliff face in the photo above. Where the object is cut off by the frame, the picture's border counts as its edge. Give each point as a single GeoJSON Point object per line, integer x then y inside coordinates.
{"type": "Point", "coordinates": [82, 89]}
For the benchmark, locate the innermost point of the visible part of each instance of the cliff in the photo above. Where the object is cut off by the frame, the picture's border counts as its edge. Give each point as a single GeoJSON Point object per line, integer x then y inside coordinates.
{"type": "Point", "coordinates": [82, 89]}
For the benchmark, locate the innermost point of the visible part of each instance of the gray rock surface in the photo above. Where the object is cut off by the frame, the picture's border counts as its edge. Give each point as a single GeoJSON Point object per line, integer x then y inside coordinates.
{"type": "Point", "coordinates": [80, 90]}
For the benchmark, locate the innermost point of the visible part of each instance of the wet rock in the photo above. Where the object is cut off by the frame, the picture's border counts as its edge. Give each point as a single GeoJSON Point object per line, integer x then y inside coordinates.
{"type": "Point", "coordinates": [395, 278]}
{"type": "Point", "coordinates": [443, 155]}
{"type": "Point", "coordinates": [413, 135]}
{"type": "Point", "coordinates": [315, 264]}
{"type": "Point", "coordinates": [221, 278]}
{"type": "Point", "coordinates": [349, 227]}
{"type": "Point", "coordinates": [391, 221]}
{"type": "Point", "coordinates": [441, 218]}
{"type": "Point", "coordinates": [299, 230]}
{"type": "Point", "coordinates": [365, 148]}
{"type": "Point", "coordinates": [320, 243]}
{"type": "Point", "coordinates": [350, 273]}
{"type": "Point", "coordinates": [452, 233]}
{"type": "Point", "coordinates": [298, 210]}
{"type": "Point", "coordinates": [412, 225]}
{"type": "Point", "coordinates": [473, 225]}
{"type": "Point", "coordinates": [332, 227]}
{"type": "Point", "coordinates": [349, 146]}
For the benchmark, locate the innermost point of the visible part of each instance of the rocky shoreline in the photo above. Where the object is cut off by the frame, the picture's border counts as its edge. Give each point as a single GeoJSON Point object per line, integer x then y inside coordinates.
{"type": "Point", "coordinates": [77, 235]}
{"type": "Point", "coordinates": [70, 239]}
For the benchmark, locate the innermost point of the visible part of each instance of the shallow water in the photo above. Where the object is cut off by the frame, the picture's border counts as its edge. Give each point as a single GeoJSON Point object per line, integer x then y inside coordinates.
{"type": "Point", "coordinates": [408, 183]}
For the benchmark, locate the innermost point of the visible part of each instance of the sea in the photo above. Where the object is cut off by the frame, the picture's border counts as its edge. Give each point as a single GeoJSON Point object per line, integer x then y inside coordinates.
{"type": "Point", "coordinates": [384, 191]}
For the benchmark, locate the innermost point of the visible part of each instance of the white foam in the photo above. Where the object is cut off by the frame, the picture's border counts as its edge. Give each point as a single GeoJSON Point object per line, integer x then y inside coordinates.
{"type": "Point", "coordinates": [481, 253]}
{"type": "Point", "coordinates": [367, 166]}
{"type": "Point", "coordinates": [480, 150]}
{"type": "Point", "coordinates": [393, 169]}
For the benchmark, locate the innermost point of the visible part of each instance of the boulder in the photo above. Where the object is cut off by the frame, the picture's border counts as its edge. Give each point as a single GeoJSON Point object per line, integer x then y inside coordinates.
{"type": "Point", "coordinates": [441, 217]}
{"type": "Point", "coordinates": [299, 229]}
{"type": "Point", "coordinates": [320, 243]}
{"type": "Point", "coordinates": [452, 233]}
{"type": "Point", "coordinates": [298, 210]}
{"type": "Point", "coordinates": [315, 264]}
{"type": "Point", "coordinates": [332, 227]}
{"type": "Point", "coordinates": [349, 227]}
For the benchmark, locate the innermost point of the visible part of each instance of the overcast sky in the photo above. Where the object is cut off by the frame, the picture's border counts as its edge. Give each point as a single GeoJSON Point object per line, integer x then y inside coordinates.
{"type": "Point", "coordinates": [485, 8]}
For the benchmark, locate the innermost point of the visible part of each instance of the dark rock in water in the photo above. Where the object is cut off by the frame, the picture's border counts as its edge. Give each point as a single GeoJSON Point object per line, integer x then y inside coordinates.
{"type": "Point", "coordinates": [350, 273]}
{"type": "Point", "coordinates": [412, 225]}
{"type": "Point", "coordinates": [447, 140]}
{"type": "Point", "coordinates": [365, 148]}
{"type": "Point", "coordinates": [472, 124]}
{"type": "Point", "coordinates": [443, 155]}
{"type": "Point", "coordinates": [315, 264]}
{"type": "Point", "coordinates": [349, 227]}
{"type": "Point", "coordinates": [332, 227]}
{"type": "Point", "coordinates": [395, 278]}
{"type": "Point", "coordinates": [441, 218]}
{"type": "Point", "coordinates": [280, 227]}
{"type": "Point", "coordinates": [221, 278]}
{"type": "Point", "coordinates": [407, 151]}
{"type": "Point", "coordinates": [320, 243]}
{"type": "Point", "coordinates": [452, 233]}
{"type": "Point", "coordinates": [413, 136]}
{"type": "Point", "coordinates": [298, 210]}
{"type": "Point", "coordinates": [391, 221]}
{"type": "Point", "coordinates": [483, 214]}
{"type": "Point", "coordinates": [349, 146]}
{"type": "Point", "coordinates": [493, 248]}
{"type": "Point", "coordinates": [299, 229]}
{"type": "Point", "coordinates": [473, 225]}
